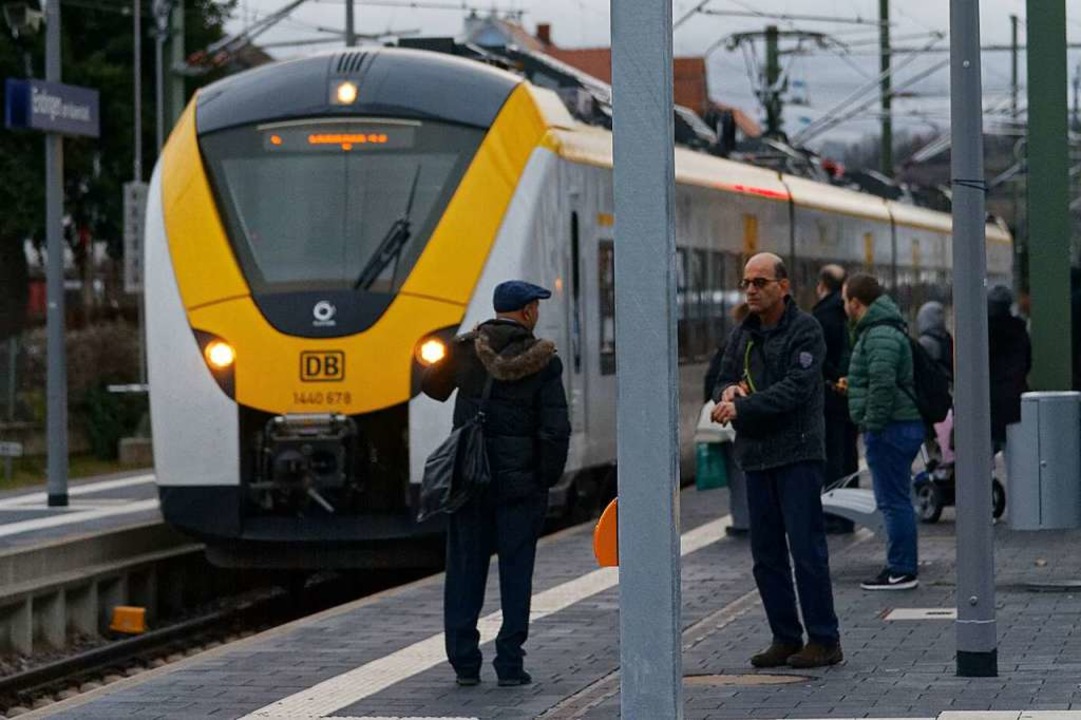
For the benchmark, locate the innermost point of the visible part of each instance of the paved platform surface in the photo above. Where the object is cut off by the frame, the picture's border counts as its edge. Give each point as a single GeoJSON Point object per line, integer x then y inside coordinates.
{"type": "Point", "coordinates": [95, 504]}
{"type": "Point", "coordinates": [382, 657]}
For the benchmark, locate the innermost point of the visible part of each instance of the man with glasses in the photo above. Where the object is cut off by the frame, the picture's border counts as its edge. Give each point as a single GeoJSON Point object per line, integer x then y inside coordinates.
{"type": "Point", "coordinates": [770, 388]}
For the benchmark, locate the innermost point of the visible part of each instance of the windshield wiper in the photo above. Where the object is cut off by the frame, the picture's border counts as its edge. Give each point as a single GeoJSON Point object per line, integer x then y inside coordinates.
{"type": "Point", "coordinates": [391, 246]}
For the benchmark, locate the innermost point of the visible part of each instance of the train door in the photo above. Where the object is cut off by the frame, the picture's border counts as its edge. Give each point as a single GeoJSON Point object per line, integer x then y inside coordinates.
{"type": "Point", "coordinates": [576, 377]}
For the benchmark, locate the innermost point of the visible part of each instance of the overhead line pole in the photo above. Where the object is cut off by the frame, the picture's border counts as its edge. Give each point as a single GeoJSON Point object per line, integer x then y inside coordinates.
{"type": "Point", "coordinates": [1020, 251]}
{"type": "Point", "coordinates": [350, 30]}
{"type": "Point", "coordinates": [1048, 206]}
{"type": "Point", "coordinates": [886, 164]}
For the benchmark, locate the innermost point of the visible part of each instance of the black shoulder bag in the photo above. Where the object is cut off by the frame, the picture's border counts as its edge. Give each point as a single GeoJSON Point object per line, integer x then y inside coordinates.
{"type": "Point", "coordinates": [458, 468]}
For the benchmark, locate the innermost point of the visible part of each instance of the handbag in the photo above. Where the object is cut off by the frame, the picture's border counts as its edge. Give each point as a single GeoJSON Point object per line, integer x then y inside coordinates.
{"type": "Point", "coordinates": [458, 468]}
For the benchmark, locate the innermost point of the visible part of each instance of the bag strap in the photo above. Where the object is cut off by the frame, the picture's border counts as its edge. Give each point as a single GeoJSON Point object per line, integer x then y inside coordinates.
{"type": "Point", "coordinates": [485, 395]}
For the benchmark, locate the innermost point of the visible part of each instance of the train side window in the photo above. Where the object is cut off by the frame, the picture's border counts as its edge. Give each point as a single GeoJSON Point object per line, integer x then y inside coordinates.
{"type": "Point", "coordinates": [576, 288]}
{"type": "Point", "coordinates": [606, 269]}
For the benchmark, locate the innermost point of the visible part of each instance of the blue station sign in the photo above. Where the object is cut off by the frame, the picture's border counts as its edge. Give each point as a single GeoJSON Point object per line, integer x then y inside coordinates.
{"type": "Point", "coordinates": [51, 107]}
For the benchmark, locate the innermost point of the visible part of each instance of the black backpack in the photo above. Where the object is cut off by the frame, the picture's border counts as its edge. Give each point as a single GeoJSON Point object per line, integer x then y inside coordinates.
{"type": "Point", "coordinates": [931, 386]}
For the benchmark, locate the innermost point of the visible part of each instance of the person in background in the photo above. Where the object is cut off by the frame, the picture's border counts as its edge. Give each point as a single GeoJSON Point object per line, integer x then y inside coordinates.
{"type": "Point", "coordinates": [881, 401]}
{"type": "Point", "coordinates": [1010, 353]}
{"type": "Point", "coordinates": [934, 337]}
{"type": "Point", "coordinates": [842, 452]}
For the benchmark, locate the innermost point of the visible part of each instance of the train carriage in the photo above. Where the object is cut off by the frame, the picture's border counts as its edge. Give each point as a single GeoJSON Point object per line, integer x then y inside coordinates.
{"type": "Point", "coordinates": [319, 229]}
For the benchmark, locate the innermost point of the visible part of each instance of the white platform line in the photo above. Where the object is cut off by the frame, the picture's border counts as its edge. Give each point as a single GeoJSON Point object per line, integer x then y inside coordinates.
{"type": "Point", "coordinates": [72, 518]}
{"type": "Point", "coordinates": [412, 717]}
{"type": "Point", "coordinates": [321, 701]}
{"type": "Point", "coordinates": [77, 490]}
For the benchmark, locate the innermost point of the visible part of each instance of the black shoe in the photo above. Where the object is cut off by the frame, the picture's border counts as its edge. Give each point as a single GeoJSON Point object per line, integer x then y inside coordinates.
{"type": "Point", "coordinates": [467, 680]}
{"type": "Point", "coordinates": [736, 532]}
{"type": "Point", "coordinates": [887, 580]}
{"type": "Point", "coordinates": [776, 655]}
{"type": "Point", "coordinates": [817, 655]}
{"type": "Point", "coordinates": [519, 678]}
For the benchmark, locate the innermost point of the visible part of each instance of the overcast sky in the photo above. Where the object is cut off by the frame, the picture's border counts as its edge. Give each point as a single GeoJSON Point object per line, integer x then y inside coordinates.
{"type": "Point", "coordinates": [822, 77]}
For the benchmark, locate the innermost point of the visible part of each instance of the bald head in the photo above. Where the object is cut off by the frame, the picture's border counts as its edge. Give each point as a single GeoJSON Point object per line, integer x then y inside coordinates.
{"type": "Point", "coordinates": [830, 280]}
{"type": "Point", "coordinates": [769, 262]}
{"type": "Point", "coordinates": [765, 284]}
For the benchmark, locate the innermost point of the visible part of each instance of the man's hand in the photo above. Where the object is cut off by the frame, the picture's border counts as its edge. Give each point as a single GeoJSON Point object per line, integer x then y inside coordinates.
{"type": "Point", "coordinates": [732, 392]}
{"type": "Point", "coordinates": [725, 412]}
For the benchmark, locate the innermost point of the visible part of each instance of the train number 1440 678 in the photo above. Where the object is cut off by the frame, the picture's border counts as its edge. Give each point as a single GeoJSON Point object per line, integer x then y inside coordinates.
{"type": "Point", "coordinates": [321, 398]}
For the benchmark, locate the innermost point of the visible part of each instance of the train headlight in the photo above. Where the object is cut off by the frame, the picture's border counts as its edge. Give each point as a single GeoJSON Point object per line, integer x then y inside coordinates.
{"type": "Point", "coordinates": [431, 351]}
{"type": "Point", "coordinates": [346, 93]}
{"type": "Point", "coordinates": [220, 359]}
{"type": "Point", "coordinates": [219, 354]}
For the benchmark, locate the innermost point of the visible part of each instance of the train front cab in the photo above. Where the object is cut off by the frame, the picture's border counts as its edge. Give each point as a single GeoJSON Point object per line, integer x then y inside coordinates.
{"type": "Point", "coordinates": [303, 449]}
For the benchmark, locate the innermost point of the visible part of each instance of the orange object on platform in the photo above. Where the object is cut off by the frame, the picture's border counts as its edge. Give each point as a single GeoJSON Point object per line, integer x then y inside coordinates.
{"type": "Point", "coordinates": [606, 536]}
{"type": "Point", "coordinates": [130, 620]}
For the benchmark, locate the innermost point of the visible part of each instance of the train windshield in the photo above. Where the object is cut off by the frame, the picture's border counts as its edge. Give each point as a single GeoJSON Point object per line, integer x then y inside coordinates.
{"type": "Point", "coordinates": [329, 205]}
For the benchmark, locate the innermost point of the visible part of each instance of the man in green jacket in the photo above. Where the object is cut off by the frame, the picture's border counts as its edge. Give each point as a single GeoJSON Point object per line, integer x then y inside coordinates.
{"type": "Point", "coordinates": [881, 402]}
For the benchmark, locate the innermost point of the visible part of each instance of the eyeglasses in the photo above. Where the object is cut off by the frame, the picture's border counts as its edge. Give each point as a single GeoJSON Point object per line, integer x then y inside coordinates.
{"type": "Point", "coordinates": [759, 283]}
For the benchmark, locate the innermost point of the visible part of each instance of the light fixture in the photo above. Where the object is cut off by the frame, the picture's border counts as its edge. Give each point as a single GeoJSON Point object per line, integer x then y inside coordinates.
{"type": "Point", "coordinates": [219, 354]}
{"type": "Point", "coordinates": [346, 93]}
{"type": "Point", "coordinates": [432, 351]}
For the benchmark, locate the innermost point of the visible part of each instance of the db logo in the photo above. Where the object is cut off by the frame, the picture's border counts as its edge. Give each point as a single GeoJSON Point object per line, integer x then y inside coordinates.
{"type": "Point", "coordinates": [322, 366]}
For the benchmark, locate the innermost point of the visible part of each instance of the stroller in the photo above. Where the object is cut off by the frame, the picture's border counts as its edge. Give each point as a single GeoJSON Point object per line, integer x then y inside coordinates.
{"type": "Point", "coordinates": [935, 487]}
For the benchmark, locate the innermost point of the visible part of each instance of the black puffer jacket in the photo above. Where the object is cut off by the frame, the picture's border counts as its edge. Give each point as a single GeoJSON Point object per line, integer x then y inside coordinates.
{"type": "Point", "coordinates": [1010, 354]}
{"type": "Point", "coordinates": [527, 429]}
{"type": "Point", "coordinates": [781, 422]}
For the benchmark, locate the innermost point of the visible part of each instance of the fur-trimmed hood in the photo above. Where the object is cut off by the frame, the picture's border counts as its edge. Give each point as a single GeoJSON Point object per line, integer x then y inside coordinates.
{"type": "Point", "coordinates": [509, 351]}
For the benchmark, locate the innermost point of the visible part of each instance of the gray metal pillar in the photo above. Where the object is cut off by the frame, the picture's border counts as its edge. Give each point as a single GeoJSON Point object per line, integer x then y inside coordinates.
{"type": "Point", "coordinates": [161, 25]}
{"type": "Point", "coordinates": [977, 642]}
{"type": "Point", "coordinates": [648, 417]}
{"type": "Point", "coordinates": [137, 81]}
{"type": "Point", "coordinates": [137, 164]}
{"type": "Point", "coordinates": [57, 380]}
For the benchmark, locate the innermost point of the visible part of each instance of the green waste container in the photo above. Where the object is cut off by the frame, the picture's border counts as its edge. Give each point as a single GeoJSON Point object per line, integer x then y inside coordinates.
{"type": "Point", "coordinates": [710, 471]}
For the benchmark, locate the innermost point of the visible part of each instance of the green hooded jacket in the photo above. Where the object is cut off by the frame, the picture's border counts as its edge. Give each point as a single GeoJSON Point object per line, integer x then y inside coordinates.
{"type": "Point", "coordinates": [881, 364]}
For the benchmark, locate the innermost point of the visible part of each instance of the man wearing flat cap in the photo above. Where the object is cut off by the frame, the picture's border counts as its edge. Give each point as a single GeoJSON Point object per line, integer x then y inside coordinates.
{"type": "Point", "coordinates": [526, 432]}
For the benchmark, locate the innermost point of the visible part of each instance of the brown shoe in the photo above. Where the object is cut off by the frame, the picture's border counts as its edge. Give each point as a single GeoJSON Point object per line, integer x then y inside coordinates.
{"type": "Point", "coordinates": [817, 655]}
{"type": "Point", "coordinates": [776, 655]}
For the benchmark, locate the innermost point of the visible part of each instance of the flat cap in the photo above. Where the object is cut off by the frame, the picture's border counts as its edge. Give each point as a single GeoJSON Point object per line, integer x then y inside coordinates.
{"type": "Point", "coordinates": [514, 295]}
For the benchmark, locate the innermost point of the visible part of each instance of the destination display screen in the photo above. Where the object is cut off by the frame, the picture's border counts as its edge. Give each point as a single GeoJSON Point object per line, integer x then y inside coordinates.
{"type": "Point", "coordinates": [339, 137]}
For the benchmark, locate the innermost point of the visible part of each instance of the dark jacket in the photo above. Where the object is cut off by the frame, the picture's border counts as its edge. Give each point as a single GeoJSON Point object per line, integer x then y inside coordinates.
{"type": "Point", "coordinates": [881, 369]}
{"type": "Point", "coordinates": [934, 337]}
{"type": "Point", "coordinates": [527, 428]}
{"type": "Point", "coordinates": [1011, 360]}
{"type": "Point", "coordinates": [830, 314]}
{"type": "Point", "coordinates": [781, 422]}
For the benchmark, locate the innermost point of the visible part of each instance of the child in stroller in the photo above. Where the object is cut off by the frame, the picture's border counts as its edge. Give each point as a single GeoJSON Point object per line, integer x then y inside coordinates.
{"type": "Point", "coordinates": [935, 487]}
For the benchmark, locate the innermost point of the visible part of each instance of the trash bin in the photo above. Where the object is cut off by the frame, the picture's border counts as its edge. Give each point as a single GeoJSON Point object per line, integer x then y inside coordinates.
{"type": "Point", "coordinates": [1043, 456]}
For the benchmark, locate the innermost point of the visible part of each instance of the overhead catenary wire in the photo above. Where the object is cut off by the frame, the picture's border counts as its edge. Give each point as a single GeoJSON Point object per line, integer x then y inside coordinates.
{"type": "Point", "coordinates": [809, 133]}
{"type": "Point", "coordinates": [870, 86]}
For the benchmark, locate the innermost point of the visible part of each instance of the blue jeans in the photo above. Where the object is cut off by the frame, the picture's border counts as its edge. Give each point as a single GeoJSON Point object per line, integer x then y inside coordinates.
{"type": "Point", "coordinates": [787, 501]}
{"type": "Point", "coordinates": [890, 453]}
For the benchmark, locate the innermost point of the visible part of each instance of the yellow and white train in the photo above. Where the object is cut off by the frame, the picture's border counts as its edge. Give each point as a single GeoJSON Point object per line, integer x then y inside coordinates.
{"type": "Point", "coordinates": [318, 229]}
